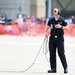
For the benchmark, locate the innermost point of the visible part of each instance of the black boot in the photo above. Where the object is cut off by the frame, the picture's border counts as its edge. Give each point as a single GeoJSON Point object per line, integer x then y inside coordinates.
{"type": "Point", "coordinates": [66, 70]}
{"type": "Point", "coordinates": [51, 71]}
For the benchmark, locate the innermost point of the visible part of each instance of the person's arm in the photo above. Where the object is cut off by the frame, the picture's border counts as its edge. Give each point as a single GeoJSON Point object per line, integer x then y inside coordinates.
{"type": "Point", "coordinates": [48, 26]}
{"type": "Point", "coordinates": [63, 27]}
{"type": "Point", "coordinates": [46, 29]}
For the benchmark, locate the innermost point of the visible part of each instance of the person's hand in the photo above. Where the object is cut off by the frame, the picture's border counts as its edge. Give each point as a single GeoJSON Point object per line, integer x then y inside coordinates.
{"type": "Point", "coordinates": [58, 26]}
{"type": "Point", "coordinates": [46, 34]}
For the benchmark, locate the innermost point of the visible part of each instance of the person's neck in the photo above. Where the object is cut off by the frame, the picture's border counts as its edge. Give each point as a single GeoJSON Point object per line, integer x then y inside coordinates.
{"type": "Point", "coordinates": [57, 17]}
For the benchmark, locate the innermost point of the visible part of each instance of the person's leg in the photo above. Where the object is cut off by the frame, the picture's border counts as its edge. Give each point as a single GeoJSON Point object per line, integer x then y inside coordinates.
{"type": "Point", "coordinates": [61, 52]}
{"type": "Point", "coordinates": [52, 50]}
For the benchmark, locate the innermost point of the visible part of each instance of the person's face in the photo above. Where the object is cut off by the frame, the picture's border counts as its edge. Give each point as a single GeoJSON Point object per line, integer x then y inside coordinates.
{"type": "Point", "coordinates": [55, 12]}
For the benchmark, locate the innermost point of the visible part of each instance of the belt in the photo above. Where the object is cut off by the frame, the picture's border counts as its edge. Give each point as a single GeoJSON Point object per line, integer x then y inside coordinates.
{"type": "Point", "coordinates": [56, 36]}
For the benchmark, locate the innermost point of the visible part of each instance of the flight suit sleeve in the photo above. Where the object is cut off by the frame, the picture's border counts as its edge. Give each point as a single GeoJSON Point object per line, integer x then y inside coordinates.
{"type": "Point", "coordinates": [49, 22]}
{"type": "Point", "coordinates": [64, 23]}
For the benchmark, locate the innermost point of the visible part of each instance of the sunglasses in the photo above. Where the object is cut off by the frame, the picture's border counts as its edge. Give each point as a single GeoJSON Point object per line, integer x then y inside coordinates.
{"type": "Point", "coordinates": [54, 11]}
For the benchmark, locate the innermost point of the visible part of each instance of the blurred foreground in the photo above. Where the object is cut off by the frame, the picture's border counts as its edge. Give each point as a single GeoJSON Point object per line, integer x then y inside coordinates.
{"type": "Point", "coordinates": [17, 53]}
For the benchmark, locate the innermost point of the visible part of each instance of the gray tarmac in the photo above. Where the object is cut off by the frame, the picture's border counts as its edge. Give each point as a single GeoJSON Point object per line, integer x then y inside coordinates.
{"type": "Point", "coordinates": [17, 54]}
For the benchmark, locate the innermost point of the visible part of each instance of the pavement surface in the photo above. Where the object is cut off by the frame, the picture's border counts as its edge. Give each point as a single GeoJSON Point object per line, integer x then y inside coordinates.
{"type": "Point", "coordinates": [17, 54]}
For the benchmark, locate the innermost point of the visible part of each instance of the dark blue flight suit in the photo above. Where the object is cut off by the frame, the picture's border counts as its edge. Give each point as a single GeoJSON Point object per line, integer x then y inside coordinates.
{"type": "Point", "coordinates": [56, 41]}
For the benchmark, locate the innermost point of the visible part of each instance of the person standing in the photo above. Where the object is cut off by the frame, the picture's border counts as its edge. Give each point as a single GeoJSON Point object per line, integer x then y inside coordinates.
{"type": "Point", "coordinates": [56, 41]}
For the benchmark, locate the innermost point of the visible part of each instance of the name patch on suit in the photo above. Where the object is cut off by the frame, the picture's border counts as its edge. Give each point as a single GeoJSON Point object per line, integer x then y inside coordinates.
{"type": "Point", "coordinates": [59, 22]}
